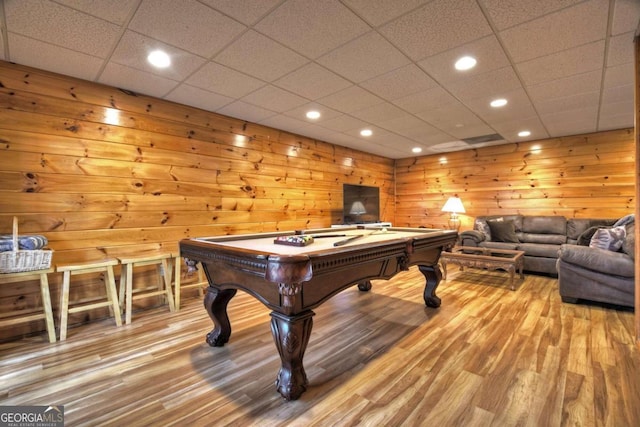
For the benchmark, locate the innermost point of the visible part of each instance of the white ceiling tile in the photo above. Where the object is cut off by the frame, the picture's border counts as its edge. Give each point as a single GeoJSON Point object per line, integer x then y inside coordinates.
{"type": "Point", "coordinates": [626, 15]}
{"type": "Point", "coordinates": [425, 100]}
{"type": "Point", "coordinates": [620, 50]}
{"type": "Point", "coordinates": [559, 104]}
{"type": "Point", "coordinates": [614, 115]}
{"type": "Point", "coordinates": [487, 52]}
{"type": "Point", "coordinates": [436, 27]}
{"type": "Point", "coordinates": [120, 76]}
{"type": "Point", "coordinates": [617, 94]}
{"type": "Point", "coordinates": [350, 99]}
{"type": "Point", "coordinates": [399, 82]}
{"type": "Point", "coordinates": [186, 24]}
{"type": "Point", "coordinates": [246, 11]}
{"type": "Point", "coordinates": [404, 123]}
{"type": "Point", "coordinates": [313, 82]}
{"type": "Point", "coordinates": [197, 97]}
{"type": "Point", "coordinates": [116, 11]}
{"type": "Point", "coordinates": [326, 113]}
{"type": "Point", "coordinates": [509, 129]}
{"type": "Point", "coordinates": [377, 12]}
{"type": "Point", "coordinates": [275, 99]}
{"type": "Point", "coordinates": [488, 85]}
{"type": "Point", "coordinates": [245, 111]}
{"type": "Point", "coordinates": [571, 27]}
{"type": "Point", "coordinates": [567, 86]}
{"type": "Point", "coordinates": [621, 75]}
{"type": "Point", "coordinates": [258, 56]}
{"type": "Point", "coordinates": [363, 58]}
{"type": "Point", "coordinates": [578, 60]}
{"type": "Point", "coordinates": [344, 123]}
{"type": "Point", "coordinates": [313, 27]}
{"type": "Point", "coordinates": [285, 123]}
{"type": "Point", "coordinates": [133, 49]}
{"type": "Point", "coordinates": [379, 112]}
{"type": "Point", "coordinates": [470, 131]}
{"type": "Point", "coordinates": [61, 26]}
{"type": "Point", "coordinates": [573, 122]}
{"type": "Point", "coordinates": [223, 80]}
{"type": "Point", "coordinates": [451, 117]}
{"type": "Point", "coordinates": [518, 105]}
{"type": "Point", "coordinates": [505, 14]}
{"type": "Point", "coordinates": [53, 58]}
{"type": "Point", "coordinates": [448, 146]}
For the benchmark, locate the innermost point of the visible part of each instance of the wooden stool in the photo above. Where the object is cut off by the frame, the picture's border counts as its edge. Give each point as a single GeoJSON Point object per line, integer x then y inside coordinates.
{"type": "Point", "coordinates": [102, 266]}
{"type": "Point", "coordinates": [202, 281]}
{"type": "Point", "coordinates": [164, 264]}
{"type": "Point", "coordinates": [47, 315]}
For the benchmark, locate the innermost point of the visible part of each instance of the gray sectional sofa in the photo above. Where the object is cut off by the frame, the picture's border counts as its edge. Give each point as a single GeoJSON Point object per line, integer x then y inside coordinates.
{"type": "Point", "coordinates": [540, 237]}
{"type": "Point", "coordinates": [560, 246]}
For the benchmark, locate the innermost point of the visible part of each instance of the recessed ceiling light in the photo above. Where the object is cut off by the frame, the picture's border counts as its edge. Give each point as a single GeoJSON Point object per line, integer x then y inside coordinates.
{"type": "Point", "coordinates": [416, 150]}
{"type": "Point", "coordinates": [313, 114]}
{"type": "Point", "coordinates": [524, 133]}
{"type": "Point", "coordinates": [366, 132]}
{"type": "Point", "coordinates": [498, 102]}
{"type": "Point", "coordinates": [159, 59]}
{"type": "Point", "coordinates": [465, 63]}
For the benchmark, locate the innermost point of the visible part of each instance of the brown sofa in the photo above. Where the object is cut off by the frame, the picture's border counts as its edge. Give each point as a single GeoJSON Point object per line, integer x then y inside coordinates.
{"type": "Point", "coordinates": [540, 237]}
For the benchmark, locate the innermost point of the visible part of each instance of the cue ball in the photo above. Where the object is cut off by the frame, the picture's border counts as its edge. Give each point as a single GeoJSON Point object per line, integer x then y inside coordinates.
{"type": "Point", "coordinates": [384, 230]}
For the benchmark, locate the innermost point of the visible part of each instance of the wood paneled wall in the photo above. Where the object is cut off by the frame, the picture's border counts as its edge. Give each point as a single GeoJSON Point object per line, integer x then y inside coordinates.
{"type": "Point", "coordinates": [162, 172]}
{"type": "Point", "coordinates": [583, 176]}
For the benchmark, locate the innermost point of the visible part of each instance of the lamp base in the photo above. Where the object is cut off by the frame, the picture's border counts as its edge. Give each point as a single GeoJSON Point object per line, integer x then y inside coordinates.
{"type": "Point", "coordinates": [454, 222]}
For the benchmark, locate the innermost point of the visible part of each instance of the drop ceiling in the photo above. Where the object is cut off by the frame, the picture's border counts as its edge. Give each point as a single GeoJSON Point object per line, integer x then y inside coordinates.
{"type": "Point", "coordinates": [566, 67]}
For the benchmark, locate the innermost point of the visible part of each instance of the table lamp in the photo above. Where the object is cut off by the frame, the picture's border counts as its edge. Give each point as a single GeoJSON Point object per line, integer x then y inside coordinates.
{"type": "Point", "coordinates": [454, 206]}
{"type": "Point", "coordinates": [357, 209]}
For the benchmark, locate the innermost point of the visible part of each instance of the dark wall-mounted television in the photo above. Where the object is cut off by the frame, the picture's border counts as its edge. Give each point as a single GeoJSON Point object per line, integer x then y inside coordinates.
{"type": "Point", "coordinates": [361, 204]}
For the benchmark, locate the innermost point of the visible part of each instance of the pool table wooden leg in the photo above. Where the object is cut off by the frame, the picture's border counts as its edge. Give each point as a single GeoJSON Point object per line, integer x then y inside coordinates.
{"type": "Point", "coordinates": [433, 275]}
{"type": "Point", "coordinates": [291, 335]}
{"type": "Point", "coordinates": [215, 302]}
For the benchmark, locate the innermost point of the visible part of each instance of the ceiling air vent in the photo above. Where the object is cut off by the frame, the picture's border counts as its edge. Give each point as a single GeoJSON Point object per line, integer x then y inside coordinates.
{"type": "Point", "coordinates": [482, 139]}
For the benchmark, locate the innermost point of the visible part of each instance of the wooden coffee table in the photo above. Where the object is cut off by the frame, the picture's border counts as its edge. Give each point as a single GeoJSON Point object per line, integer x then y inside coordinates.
{"type": "Point", "coordinates": [486, 258]}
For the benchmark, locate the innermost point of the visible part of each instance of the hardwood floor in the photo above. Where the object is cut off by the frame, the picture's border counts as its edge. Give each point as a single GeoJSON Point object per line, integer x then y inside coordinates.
{"type": "Point", "coordinates": [488, 357]}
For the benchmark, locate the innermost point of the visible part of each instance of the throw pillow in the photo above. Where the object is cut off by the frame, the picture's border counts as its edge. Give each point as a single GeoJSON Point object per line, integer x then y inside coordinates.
{"type": "Point", "coordinates": [482, 226]}
{"type": "Point", "coordinates": [629, 244]}
{"type": "Point", "coordinates": [503, 231]}
{"type": "Point", "coordinates": [610, 239]}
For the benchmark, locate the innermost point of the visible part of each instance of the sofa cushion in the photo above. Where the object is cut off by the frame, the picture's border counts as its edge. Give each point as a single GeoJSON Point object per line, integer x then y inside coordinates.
{"type": "Point", "coordinates": [549, 239]}
{"type": "Point", "coordinates": [544, 225]}
{"type": "Point", "coordinates": [608, 262]}
{"type": "Point", "coordinates": [539, 250]}
{"type": "Point", "coordinates": [610, 239]}
{"type": "Point", "coordinates": [503, 231]}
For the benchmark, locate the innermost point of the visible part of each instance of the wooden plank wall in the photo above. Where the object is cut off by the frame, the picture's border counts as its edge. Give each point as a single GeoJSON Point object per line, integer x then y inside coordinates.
{"type": "Point", "coordinates": [584, 176]}
{"type": "Point", "coordinates": [163, 173]}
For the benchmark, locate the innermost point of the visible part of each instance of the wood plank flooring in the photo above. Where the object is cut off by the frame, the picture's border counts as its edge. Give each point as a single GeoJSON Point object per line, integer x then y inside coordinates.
{"type": "Point", "coordinates": [488, 357]}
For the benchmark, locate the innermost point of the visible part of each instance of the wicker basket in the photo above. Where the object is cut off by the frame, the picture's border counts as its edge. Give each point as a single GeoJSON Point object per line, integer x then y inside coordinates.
{"type": "Point", "coordinates": [17, 261]}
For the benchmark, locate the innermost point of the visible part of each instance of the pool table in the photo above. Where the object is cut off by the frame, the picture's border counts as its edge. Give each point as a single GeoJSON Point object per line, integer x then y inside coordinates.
{"type": "Point", "coordinates": [293, 280]}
